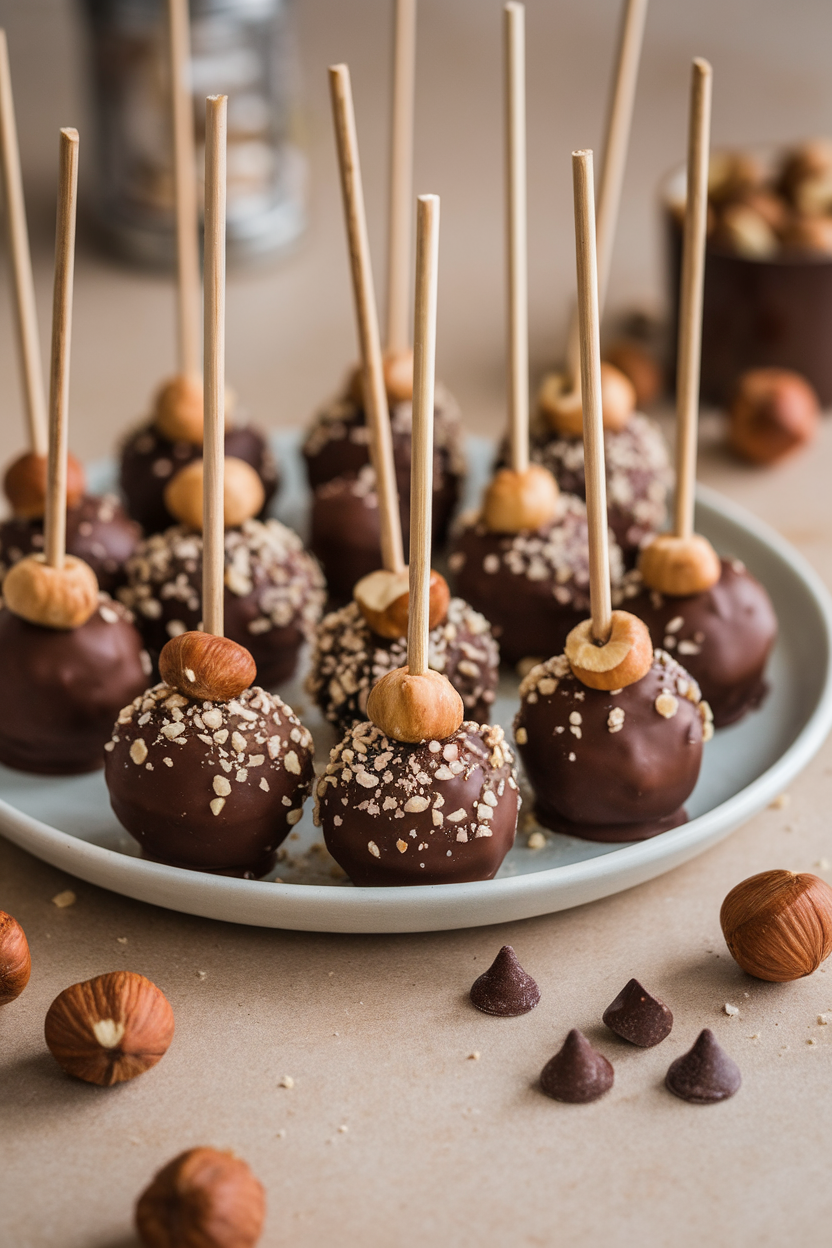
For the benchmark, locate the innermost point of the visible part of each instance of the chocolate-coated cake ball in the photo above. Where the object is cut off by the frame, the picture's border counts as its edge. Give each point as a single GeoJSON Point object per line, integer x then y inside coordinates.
{"type": "Point", "coordinates": [149, 460]}
{"type": "Point", "coordinates": [274, 592]}
{"type": "Point", "coordinates": [638, 475]}
{"type": "Point", "coordinates": [611, 766]}
{"type": "Point", "coordinates": [345, 531]}
{"type": "Point", "coordinates": [533, 586]}
{"type": "Point", "coordinates": [348, 658]}
{"type": "Point", "coordinates": [98, 530]}
{"type": "Point", "coordinates": [62, 688]}
{"type": "Point", "coordinates": [214, 786]}
{"type": "Point", "coordinates": [441, 812]}
{"type": "Point", "coordinates": [338, 444]}
{"type": "Point", "coordinates": [723, 636]}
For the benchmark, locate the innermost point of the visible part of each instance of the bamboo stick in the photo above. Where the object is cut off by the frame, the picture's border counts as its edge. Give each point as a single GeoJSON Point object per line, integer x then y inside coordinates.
{"type": "Point", "coordinates": [401, 178]}
{"type": "Point", "coordinates": [518, 317]}
{"type": "Point", "coordinates": [213, 506]}
{"type": "Point", "coordinates": [184, 170]}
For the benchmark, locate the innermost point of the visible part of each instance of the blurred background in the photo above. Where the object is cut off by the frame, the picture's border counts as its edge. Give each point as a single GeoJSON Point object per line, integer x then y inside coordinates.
{"type": "Point", "coordinates": [290, 330]}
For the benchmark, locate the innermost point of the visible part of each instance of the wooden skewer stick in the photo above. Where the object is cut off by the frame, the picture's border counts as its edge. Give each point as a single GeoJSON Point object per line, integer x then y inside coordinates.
{"type": "Point", "coordinates": [613, 165]}
{"type": "Point", "coordinates": [375, 393]}
{"type": "Point", "coordinates": [401, 178]}
{"type": "Point", "coordinates": [213, 505]}
{"type": "Point", "coordinates": [421, 472]}
{"type": "Point", "coordinates": [690, 301]}
{"type": "Point", "coordinates": [590, 340]}
{"type": "Point", "coordinates": [24, 286]}
{"type": "Point", "coordinates": [184, 178]}
{"type": "Point", "coordinates": [518, 316]}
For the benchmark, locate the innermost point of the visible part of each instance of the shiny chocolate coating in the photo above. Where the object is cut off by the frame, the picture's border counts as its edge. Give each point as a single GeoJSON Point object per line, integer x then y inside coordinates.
{"type": "Point", "coordinates": [214, 786]}
{"type": "Point", "coordinates": [149, 460]}
{"type": "Point", "coordinates": [98, 530]}
{"type": "Point", "coordinates": [441, 812]}
{"type": "Point", "coordinates": [345, 532]}
{"type": "Point", "coordinates": [348, 658]}
{"type": "Point", "coordinates": [272, 600]}
{"type": "Point", "coordinates": [338, 444]}
{"type": "Point", "coordinates": [62, 689]}
{"type": "Point", "coordinates": [723, 636]}
{"type": "Point", "coordinates": [533, 586]}
{"type": "Point", "coordinates": [611, 766]}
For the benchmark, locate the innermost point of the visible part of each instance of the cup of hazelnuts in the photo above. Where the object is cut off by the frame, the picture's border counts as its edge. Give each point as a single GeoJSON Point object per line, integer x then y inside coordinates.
{"type": "Point", "coordinates": [768, 276]}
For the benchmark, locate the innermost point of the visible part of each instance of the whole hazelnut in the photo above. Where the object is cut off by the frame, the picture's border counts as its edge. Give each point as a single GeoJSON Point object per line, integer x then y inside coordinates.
{"type": "Point", "coordinates": [383, 598]}
{"type": "Point", "coordinates": [25, 484]}
{"type": "Point", "coordinates": [561, 404]}
{"type": "Point", "coordinates": [773, 413]}
{"type": "Point", "coordinates": [202, 1199]}
{"type": "Point", "coordinates": [109, 1029]}
{"type": "Point", "coordinates": [744, 230]}
{"type": "Point", "coordinates": [806, 175]}
{"type": "Point", "coordinates": [679, 566]}
{"type": "Point", "coordinates": [61, 598]}
{"type": "Point", "coordinates": [808, 236]}
{"type": "Point", "coordinates": [415, 708]}
{"type": "Point", "coordinates": [200, 665]}
{"type": "Point", "coordinates": [778, 925]}
{"type": "Point", "coordinates": [624, 658]}
{"type": "Point", "coordinates": [15, 960]}
{"type": "Point", "coordinates": [242, 491]}
{"type": "Point", "coordinates": [730, 173]}
{"type": "Point", "coordinates": [398, 378]}
{"type": "Point", "coordinates": [516, 502]}
{"type": "Point", "coordinates": [640, 367]}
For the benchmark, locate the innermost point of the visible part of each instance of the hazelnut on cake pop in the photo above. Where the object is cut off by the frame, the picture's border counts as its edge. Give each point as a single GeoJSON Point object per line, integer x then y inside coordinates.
{"type": "Point", "coordinates": [417, 795]}
{"type": "Point", "coordinates": [637, 466]}
{"type": "Point", "coordinates": [203, 770]}
{"type": "Point", "coordinates": [69, 656]}
{"type": "Point", "coordinates": [610, 732]}
{"type": "Point", "coordinates": [710, 611]}
{"type": "Point", "coordinates": [365, 639]}
{"type": "Point", "coordinates": [97, 529]}
{"type": "Point", "coordinates": [521, 560]}
{"type": "Point", "coordinates": [337, 448]}
{"type": "Point", "coordinates": [173, 436]}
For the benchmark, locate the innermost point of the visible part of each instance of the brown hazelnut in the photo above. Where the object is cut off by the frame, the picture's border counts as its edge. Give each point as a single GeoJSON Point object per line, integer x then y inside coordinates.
{"type": "Point", "coordinates": [109, 1029]}
{"type": "Point", "coordinates": [398, 378]}
{"type": "Point", "coordinates": [730, 173]}
{"type": "Point", "coordinates": [806, 170]}
{"type": "Point", "coordinates": [415, 708]}
{"type": "Point", "coordinates": [515, 502]}
{"type": "Point", "coordinates": [202, 1199]}
{"type": "Point", "coordinates": [178, 409]}
{"type": "Point", "coordinates": [623, 659]}
{"type": "Point", "coordinates": [641, 369]}
{"type": "Point", "coordinates": [202, 666]}
{"type": "Point", "coordinates": [744, 230]}
{"type": "Point", "coordinates": [15, 959]}
{"type": "Point", "coordinates": [25, 484]}
{"type": "Point", "coordinates": [60, 598]}
{"type": "Point", "coordinates": [243, 493]}
{"type": "Point", "coordinates": [561, 404]}
{"type": "Point", "coordinates": [778, 925]}
{"type": "Point", "coordinates": [808, 236]}
{"type": "Point", "coordinates": [679, 566]}
{"type": "Point", "coordinates": [773, 413]}
{"type": "Point", "coordinates": [384, 599]}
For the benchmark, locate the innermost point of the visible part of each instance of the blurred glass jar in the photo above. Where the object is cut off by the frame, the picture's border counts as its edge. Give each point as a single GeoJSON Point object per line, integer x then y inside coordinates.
{"type": "Point", "coordinates": [241, 48]}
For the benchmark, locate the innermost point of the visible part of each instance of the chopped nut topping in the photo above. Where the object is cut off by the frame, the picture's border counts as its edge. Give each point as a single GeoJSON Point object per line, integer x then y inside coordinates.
{"type": "Point", "coordinates": [666, 704]}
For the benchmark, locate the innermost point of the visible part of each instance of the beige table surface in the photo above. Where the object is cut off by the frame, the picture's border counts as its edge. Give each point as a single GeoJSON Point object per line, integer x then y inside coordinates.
{"type": "Point", "coordinates": [392, 1133]}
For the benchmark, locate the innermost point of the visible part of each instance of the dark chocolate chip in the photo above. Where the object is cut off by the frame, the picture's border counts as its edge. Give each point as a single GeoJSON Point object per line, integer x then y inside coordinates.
{"type": "Point", "coordinates": [505, 989]}
{"type": "Point", "coordinates": [636, 1015]}
{"type": "Point", "coordinates": [577, 1073]}
{"type": "Point", "coordinates": [705, 1073]}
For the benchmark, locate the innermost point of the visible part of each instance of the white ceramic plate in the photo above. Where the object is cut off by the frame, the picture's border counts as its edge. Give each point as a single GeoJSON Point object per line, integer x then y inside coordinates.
{"type": "Point", "coordinates": [68, 822]}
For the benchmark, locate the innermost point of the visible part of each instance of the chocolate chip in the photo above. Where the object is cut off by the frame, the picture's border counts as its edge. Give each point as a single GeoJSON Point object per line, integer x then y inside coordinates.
{"type": "Point", "coordinates": [636, 1015]}
{"type": "Point", "coordinates": [577, 1073]}
{"type": "Point", "coordinates": [505, 989]}
{"type": "Point", "coordinates": [705, 1073]}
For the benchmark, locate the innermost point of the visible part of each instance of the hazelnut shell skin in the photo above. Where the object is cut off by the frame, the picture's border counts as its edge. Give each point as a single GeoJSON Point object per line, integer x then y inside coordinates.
{"type": "Point", "coordinates": [200, 665]}
{"type": "Point", "coordinates": [109, 1029]}
{"type": "Point", "coordinates": [202, 1199]}
{"type": "Point", "coordinates": [25, 484]}
{"type": "Point", "coordinates": [778, 925]}
{"type": "Point", "coordinates": [15, 959]}
{"type": "Point", "coordinates": [773, 413]}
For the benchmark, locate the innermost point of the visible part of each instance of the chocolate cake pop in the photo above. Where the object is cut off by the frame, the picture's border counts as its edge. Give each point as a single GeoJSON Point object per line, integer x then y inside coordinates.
{"type": "Point", "coordinates": [173, 435]}
{"type": "Point", "coordinates": [609, 706]}
{"type": "Point", "coordinates": [417, 795]}
{"type": "Point", "coordinates": [69, 656]}
{"type": "Point", "coordinates": [709, 611]}
{"type": "Point", "coordinates": [204, 771]}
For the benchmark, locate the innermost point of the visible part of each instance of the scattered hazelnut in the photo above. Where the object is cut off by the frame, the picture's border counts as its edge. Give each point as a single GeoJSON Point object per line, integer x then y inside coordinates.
{"type": "Point", "coordinates": [679, 566]}
{"type": "Point", "coordinates": [202, 666]}
{"type": "Point", "coordinates": [622, 660]}
{"type": "Point", "coordinates": [109, 1029]}
{"type": "Point", "coordinates": [25, 484]}
{"type": "Point", "coordinates": [745, 231]}
{"type": "Point", "coordinates": [384, 598]}
{"type": "Point", "coordinates": [202, 1199]}
{"type": "Point", "coordinates": [808, 235]}
{"type": "Point", "coordinates": [398, 378]}
{"type": "Point", "coordinates": [519, 501]}
{"type": "Point", "coordinates": [415, 708]}
{"type": "Point", "coordinates": [641, 369]}
{"type": "Point", "coordinates": [773, 412]}
{"type": "Point", "coordinates": [778, 925]}
{"type": "Point", "coordinates": [561, 403]}
{"type": "Point", "coordinates": [15, 960]}
{"type": "Point", "coordinates": [54, 597]}
{"type": "Point", "coordinates": [243, 493]}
